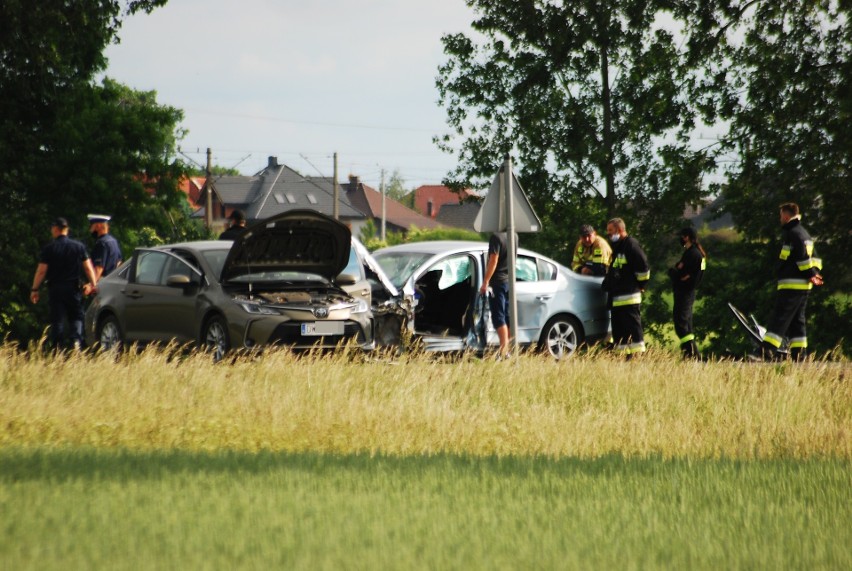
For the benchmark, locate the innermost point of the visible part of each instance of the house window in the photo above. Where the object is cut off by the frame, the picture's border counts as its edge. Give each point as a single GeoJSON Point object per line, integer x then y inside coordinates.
{"type": "Point", "coordinates": [312, 199]}
{"type": "Point", "coordinates": [429, 209]}
{"type": "Point", "coordinates": [279, 198]}
{"type": "Point", "coordinates": [290, 198]}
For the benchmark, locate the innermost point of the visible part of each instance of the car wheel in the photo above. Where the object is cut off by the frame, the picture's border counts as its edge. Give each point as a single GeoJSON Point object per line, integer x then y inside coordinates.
{"type": "Point", "coordinates": [109, 334]}
{"type": "Point", "coordinates": [215, 337]}
{"type": "Point", "coordinates": [561, 336]}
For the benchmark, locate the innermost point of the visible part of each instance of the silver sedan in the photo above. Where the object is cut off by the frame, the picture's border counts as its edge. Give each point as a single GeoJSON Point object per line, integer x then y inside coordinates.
{"type": "Point", "coordinates": [557, 309]}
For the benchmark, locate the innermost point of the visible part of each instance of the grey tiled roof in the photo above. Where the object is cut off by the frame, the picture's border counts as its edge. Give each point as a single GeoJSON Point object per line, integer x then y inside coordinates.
{"type": "Point", "coordinates": [459, 215]}
{"type": "Point", "coordinates": [278, 189]}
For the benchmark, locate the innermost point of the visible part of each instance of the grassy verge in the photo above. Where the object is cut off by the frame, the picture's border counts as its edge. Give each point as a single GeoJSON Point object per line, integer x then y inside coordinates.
{"type": "Point", "coordinates": [84, 509]}
{"type": "Point", "coordinates": [158, 460]}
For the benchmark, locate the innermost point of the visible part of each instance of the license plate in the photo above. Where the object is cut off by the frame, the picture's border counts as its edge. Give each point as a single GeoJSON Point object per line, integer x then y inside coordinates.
{"type": "Point", "coordinates": [316, 328]}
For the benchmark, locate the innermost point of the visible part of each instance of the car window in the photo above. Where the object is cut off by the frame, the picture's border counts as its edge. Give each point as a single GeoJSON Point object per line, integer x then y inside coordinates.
{"type": "Point", "coordinates": [526, 269]}
{"type": "Point", "coordinates": [177, 267]}
{"type": "Point", "coordinates": [149, 267]}
{"type": "Point", "coordinates": [453, 270]}
{"type": "Point", "coordinates": [546, 271]}
{"type": "Point", "coordinates": [216, 260]}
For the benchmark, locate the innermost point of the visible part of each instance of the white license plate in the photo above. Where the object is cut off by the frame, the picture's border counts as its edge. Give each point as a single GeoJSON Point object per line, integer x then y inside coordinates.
{"type": "Point", "coordinates": [322, 328]}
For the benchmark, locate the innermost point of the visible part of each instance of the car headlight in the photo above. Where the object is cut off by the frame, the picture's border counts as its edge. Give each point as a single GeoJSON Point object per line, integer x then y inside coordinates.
{"type": "Point", "coordinates": [361, 306]}
{"type": "Point", "coordinates": [257, 309]}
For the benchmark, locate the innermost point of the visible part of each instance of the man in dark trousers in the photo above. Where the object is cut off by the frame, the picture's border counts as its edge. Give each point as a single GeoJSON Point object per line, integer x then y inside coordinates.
{"type": "Point", "coordinates": [625, 281]}
{"type": "Point", "coordinates": [106, 253]}
{"type": "Point", "coordinates": [686, 275]}
{"type": "Point", "coordinates": [497, 278]}
{"type": "Point", "coordinates": [236, 225]}
{"type": "Point", "coordinates": [62, 265]}
{"type": "Point", "coordinates": [798, 272]}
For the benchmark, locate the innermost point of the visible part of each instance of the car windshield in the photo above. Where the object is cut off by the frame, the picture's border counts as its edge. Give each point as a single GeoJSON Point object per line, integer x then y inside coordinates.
{"type": "Point", "coordinates": [400, 265]}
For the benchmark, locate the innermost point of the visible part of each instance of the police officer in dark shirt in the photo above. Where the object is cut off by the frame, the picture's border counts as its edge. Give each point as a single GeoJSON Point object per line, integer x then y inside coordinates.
{"type": "Point", "coordinates": [106, 253]}
{"type": "Point", "coordinates": [62, 265]}
{"type": "Point", "coordinates": [236, 225]}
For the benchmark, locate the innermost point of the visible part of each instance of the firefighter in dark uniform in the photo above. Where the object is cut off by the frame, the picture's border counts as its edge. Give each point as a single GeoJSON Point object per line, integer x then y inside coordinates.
{"type": "Point", "coordinates": [62, 265]}
{"type": "Point", "coordinates": [798, 272]}
{"type": "Point", "coordinates": [625, 281]}
{"type": "Point", "coordinates": [686, 275]}
{"type": "Point", "coordinates": [106, 253]}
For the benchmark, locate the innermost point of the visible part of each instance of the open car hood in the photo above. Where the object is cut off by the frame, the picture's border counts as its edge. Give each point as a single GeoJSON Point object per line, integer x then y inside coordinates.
{"type": "Point", "coordinates": [297, 241]}
{"type": "Point", "coordinates": [373, 267]}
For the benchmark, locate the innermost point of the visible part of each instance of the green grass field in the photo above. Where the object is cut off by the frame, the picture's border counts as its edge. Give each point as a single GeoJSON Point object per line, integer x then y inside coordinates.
{"type": "Point", "coordinates": [159, 460]}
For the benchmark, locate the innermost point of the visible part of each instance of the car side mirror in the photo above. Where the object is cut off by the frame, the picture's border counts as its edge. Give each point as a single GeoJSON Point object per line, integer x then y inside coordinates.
{"type": "Point", "coordinates": [178, 280]}
{"type": "Point", "coordinates": [346, 279]}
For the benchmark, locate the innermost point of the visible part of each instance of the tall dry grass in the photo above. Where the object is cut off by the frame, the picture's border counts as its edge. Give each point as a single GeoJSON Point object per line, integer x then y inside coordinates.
{"type": "Point", "coordinates": [588, 406]}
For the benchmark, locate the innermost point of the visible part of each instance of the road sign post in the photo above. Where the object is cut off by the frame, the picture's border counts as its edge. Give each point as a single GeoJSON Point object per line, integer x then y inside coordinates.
{"type": "Point", "coordinates": [507, 209]}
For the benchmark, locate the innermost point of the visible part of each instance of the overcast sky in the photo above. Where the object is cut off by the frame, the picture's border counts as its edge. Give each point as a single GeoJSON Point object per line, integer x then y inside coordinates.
{"type": "Point", "coordinates": [300, 80]}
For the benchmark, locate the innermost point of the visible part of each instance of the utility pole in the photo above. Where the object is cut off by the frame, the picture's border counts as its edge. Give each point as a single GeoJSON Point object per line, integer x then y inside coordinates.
{"type": "Point", "coordinates": [336, 209]}
{"type": "Point", "coordinates": [382, 187]}
{"type": "Point", "coordinates": [208, 191]}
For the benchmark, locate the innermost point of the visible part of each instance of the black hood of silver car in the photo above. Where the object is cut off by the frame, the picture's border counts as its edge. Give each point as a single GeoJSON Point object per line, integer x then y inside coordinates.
{"type": "Point", "coordinates": [296, 241]}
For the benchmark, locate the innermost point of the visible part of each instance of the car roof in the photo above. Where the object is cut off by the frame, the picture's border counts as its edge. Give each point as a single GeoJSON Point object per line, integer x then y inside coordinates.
{"type": "Point", "coordinates": [435, 246]}
{"type": "Point", "coordinates": [448, 246]}
{"type": "Point", "coordinates": [200, 245]}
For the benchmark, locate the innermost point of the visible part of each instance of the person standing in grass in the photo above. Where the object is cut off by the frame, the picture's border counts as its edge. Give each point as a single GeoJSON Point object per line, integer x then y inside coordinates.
{"type": "Point", "coordinates": [686, 275]}
{"type": "Point", "coordinates": [496, 285]}
{"type": "Point", "coordinates": [62, 265]}
{"type": "Point", "coordinates": [798, 272]}
{"type": "Point", "coordinates": [625, 282]}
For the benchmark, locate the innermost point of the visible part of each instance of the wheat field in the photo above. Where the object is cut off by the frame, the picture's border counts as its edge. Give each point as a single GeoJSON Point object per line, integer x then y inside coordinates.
{"type": "Point", "coordinates": [588, 406]}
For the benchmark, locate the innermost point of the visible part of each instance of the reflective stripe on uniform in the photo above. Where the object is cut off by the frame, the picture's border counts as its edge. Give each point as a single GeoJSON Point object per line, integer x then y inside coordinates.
{"type": "Point", "coordinates": [597, 256]}
{"type": "Point", "coordinates": [785, 252]}
{"type": "Point", "coordinates": [799, 343]}
{"type": "Point", "coordinates": [630, 299]}
{"type": "Point", "coordinates": [802, 285]}
{"type": "Point", "coordinates": [703, 264]}
{"type": "Point", "coordinates": [805, 265]}
{"type": "Point", "coordinates": [772, 339]}
{"type": "Point", "coordinates": [620, 261]}
{"type": "Point", "coordinates": [643, 276]}
{"type": "Point", "coordinates": [630, 348]}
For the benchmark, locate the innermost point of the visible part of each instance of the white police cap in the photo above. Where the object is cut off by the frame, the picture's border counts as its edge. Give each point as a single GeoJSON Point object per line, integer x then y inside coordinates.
{"type": "Point", "coordinates": [96, 218]}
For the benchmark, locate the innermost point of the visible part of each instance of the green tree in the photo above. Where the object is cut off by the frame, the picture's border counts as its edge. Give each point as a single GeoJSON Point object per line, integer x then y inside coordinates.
{"type": "Point", "coordinates": [779, 72]}
{"type": "Point", "coordinates": [594, 101]}
{"type": "Point", "coordinates": [69, 145]}
{"type": "Point", "coordinates": [396, 189]}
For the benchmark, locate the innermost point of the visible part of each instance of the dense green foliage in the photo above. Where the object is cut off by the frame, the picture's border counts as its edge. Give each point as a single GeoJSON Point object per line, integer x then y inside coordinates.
{"type": "Point", "coordinates": [602, 104]}
{"type": "Point", "coordinates": [69, 145]}
{"type": "Point", "coordinates": [372, 242]}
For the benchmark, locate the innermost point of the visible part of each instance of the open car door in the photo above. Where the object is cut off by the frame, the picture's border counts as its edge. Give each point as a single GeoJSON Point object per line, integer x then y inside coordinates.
{"type": "Point", "coordinates": [754, 330]}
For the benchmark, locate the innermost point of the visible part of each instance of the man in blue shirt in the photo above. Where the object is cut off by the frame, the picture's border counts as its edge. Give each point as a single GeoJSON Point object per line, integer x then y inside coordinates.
{"type": "Point", "coordinates": [106, 254]}
{"type": "Point", "coordinates": [62, 266]}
